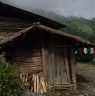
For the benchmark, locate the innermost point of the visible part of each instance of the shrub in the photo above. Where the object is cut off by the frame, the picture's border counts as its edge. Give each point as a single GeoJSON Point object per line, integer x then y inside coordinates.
{"type": "Point", "coordinates": [82, 57]}
{"type": "Point", "coordinates": [9, 79]}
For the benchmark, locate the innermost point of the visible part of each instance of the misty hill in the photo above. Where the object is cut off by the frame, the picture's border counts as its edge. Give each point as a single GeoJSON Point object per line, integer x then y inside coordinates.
{"type": "Point", "coordinates": [78, 26]}
{"type": "Point", "coordinates": [81, 27]}
{"type": "Point", "coordinates": [50, 15]}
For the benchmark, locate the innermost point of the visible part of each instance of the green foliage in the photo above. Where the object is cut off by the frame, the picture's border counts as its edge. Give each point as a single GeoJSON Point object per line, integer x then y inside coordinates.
{"type": "Point", "coordinates": [81, 27]}
{"type": "Point", "coordinates": [82, 57]}
{"type": "Point", "coordinates": [9, 79]}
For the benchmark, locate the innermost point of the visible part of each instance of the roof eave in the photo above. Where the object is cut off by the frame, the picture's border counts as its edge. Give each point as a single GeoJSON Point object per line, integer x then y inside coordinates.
{"type": "Point", "coordinates": [79, 40]}
{"type": "Point", "coordinates": [26, 15]}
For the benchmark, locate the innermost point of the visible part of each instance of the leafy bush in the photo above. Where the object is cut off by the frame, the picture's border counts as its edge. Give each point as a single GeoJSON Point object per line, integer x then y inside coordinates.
{"type": "Point", "coordinates": [9, 79]}
{"type": "Point", "coordinates": [82, 57]}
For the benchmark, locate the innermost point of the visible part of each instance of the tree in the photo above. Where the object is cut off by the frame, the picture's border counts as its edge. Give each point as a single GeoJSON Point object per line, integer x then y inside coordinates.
{"type": "Point", "coordinates": [9, 79]}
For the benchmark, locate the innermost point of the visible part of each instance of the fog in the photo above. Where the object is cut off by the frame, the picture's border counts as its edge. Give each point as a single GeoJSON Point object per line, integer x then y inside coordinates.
{"type": "Point", "coordinates": [84, 8]}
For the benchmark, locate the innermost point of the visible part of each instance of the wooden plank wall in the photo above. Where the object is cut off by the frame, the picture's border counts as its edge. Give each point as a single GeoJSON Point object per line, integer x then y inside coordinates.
{"type": "Point", "coordinates": [59, 62]}
{"type": "Point", "coordinates": [13, 24]}
{"type": "Point", "coordinates": [73, 68]}
{"type": "Point", "coordinates": [60, 68]}
{"type": "Point", "coordinates": [28, 60]}
{"type": "Point", "coordinates": [56, 64]}
{"type": "Point", "coordinates": [30, 64]}
{"type": "Point", "coordinates": [27, 54]}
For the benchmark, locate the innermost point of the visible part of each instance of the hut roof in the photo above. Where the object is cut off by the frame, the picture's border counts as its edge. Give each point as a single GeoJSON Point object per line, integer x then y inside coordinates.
{"type": "Point", "coordinates": [4, 39]}
{"type": "Point", "coordinates": [13, 12]}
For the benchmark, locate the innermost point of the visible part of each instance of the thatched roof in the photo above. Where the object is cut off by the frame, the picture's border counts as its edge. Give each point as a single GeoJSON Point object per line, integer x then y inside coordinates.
{"type": "Point", "coordinates": [13, 36]}
{"type": "Point", "coordinates": [9, 24]}
{"type": "Point", "coordinates": [13, 12]}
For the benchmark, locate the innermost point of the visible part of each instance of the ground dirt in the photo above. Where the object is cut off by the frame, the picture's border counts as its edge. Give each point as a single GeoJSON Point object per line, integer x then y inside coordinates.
{"type": "Point", "coordinates": [86, 79]}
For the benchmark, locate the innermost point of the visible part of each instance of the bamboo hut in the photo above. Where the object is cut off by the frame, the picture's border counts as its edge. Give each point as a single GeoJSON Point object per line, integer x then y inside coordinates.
{"type": "Point", "coordinates": [45, 57]}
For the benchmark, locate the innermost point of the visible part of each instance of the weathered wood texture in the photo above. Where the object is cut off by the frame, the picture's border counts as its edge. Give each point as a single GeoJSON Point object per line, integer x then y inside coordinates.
{"type": "Point", "coordinates": [27, 54]}
{"type": "Point", "coordinates": [59, 67]}
{"type": "Point", "coordinates": [35, 82]}
{"type": "Point", "coordinates": [9, 26]}
{"type": "Point", "coordinates": [59, 62]}
{"type": "Point", "coordinates": [13, 24]}
{"type": "Point", "coordinates": [73, 66]}
{"type": "Point", "coordinates": [46, 58]}
{"type": "Point", "coordinates": [28, 60]}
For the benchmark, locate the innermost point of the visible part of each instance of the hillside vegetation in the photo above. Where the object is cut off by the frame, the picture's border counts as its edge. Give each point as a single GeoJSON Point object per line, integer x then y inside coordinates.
{"type": "Point", "coordinates": [79, 26]}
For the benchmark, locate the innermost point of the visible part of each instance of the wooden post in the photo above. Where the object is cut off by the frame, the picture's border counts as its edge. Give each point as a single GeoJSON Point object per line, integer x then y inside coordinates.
{"type": "Point", "coordinates": [44, 63]}
{"type": "Point", "coordinates": [73, 67]}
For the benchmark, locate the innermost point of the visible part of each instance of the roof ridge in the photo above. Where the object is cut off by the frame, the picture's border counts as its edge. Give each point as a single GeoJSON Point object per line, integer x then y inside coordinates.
{"type": "Point", "coordinates": [40, 26]}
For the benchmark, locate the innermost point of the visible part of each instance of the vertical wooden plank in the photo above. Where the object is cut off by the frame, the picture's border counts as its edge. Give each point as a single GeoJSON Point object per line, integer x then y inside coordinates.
{"type": "Point", "coordinates": [38, 89]}
{"type": "Point", "coordinates": [47, 66]}
{"type": "Point", "coordinates": [73, 68]}
{"type": "Point", "coordinates": [62, 65]}
{"type": "Point", "coordinates": [67, 65]}
{"type": "Point", "coordinates": [43, 55]}
{"type": "Point", "coordinates": [44, 63]}
{"type": "Point", "coordinates": [51, 66]}
{"type": "Point", "coordinates": [58, 60]}
{"type": "Point", "coordinates": [65, 69]}
{"type": "Point", "coordinates": [34, 79]}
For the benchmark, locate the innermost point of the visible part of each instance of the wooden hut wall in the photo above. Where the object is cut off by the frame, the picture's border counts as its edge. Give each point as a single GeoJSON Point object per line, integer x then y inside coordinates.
{"type": "Point", "coordinates": [58, 61]}
{"type": "Point", "coordinates": [28, 60]}
{"type": "Point", "coordinates": [26, 52]}
{"type": "Point", "coordinates": [49, 54]}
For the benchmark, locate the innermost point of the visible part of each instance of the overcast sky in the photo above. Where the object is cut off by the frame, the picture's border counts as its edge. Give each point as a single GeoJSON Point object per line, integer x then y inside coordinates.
{"type": "Point", "coordinates": [84, 8]}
